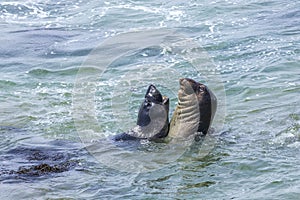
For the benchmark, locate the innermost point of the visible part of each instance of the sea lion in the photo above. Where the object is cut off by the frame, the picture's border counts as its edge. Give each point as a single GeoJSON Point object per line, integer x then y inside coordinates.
{"type": "Point", "coordinates": [153, 118]}
{"type": "Point", "coordinates": [195, 110]}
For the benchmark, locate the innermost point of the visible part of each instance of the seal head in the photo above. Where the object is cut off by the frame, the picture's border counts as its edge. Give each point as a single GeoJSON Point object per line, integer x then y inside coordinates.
{"type": "Point", "coordinates": [153, 118]}
{"type": "Point", "coordinates": [195, 109]}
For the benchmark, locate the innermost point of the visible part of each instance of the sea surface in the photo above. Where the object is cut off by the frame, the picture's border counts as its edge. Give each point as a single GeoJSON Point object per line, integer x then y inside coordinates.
{"type": "Point", "coordinates": [73, 73]}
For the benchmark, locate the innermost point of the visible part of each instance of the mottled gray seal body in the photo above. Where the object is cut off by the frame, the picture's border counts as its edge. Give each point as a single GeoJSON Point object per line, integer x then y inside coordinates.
{"type": "Point", "coordinates": [153, 120]}
{"type": "Point", "coordinates": [195, 110]}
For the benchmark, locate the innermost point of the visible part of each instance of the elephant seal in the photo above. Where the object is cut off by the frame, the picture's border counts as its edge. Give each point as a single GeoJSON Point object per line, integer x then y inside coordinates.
{"type": "Point", "coordinates": [153, 118]}
{"type": "Point", "coordinates": [195, 110]}
{"type": "Point", "coordinates": [28, 160]}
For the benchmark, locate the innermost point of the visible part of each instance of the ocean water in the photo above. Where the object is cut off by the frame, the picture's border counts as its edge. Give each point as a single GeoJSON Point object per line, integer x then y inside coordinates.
{"type": "Point", "coordinates": [73, 73]}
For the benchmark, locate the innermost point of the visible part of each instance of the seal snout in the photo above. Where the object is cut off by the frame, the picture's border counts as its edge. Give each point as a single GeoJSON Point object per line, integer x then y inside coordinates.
{"type": "Point", "coordinates": [186, 86]}
{"type": "Point", "coordinates": [183, 83]}
{"type": "Point", "coordinates": [153, 94]}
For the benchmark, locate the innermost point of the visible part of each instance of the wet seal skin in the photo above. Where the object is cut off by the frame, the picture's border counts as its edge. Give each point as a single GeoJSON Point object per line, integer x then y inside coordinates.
{"type": "Point", "coordinates": [27, 162]}
{"type": "Point", "coordinates": [153, 118]}
{"type": "Point", "coordinates": [195, 110]}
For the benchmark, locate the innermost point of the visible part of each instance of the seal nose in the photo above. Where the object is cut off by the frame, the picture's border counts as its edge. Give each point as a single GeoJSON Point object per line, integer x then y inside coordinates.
{"type": "Point", "coordinates": [181, 81]}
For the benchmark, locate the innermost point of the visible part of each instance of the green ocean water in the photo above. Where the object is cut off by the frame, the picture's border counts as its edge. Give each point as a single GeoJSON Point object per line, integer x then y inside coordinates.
{"type": "Point", "coordinates": [253, 49]}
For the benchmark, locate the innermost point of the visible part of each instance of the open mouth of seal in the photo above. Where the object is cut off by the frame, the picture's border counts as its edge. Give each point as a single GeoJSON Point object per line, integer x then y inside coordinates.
{"type": "Point", "coordinates": [153, 105]}
{"type": "Point", "coordinates": [153, 95]}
